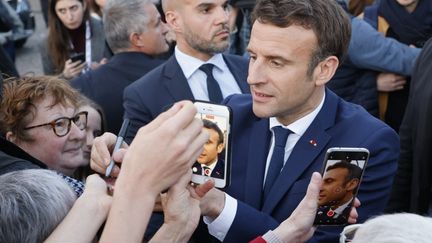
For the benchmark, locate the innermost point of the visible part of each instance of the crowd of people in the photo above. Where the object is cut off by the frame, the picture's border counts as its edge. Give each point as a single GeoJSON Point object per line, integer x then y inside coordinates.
{"type": "Point", "coordinates": [299, 76]}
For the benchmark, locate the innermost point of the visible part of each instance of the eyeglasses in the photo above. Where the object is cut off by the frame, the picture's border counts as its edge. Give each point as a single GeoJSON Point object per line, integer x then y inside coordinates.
{"type": "Point", "coordinates": [61, 126]}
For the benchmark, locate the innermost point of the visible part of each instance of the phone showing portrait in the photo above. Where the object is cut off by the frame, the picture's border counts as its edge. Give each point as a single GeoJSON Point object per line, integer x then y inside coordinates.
{"type": "Point", "coordinates": [342, 173]}
{"type": "Point", "coordinates": [215, 159]}
{"type": "Point", "coordinates": [78, 56]}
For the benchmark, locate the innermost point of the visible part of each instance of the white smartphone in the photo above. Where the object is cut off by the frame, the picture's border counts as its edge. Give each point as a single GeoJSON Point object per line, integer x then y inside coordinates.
{"type": "Point", "coordinates": [342, 174]}
{"type": "Point", "coordinates": [215, 159]}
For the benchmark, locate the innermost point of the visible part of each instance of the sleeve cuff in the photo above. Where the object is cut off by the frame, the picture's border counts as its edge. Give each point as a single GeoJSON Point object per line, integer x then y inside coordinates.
{"type": "Point", "coordinates": [271, 237]}
{"type": "Point", "coordinates": [220, 226]}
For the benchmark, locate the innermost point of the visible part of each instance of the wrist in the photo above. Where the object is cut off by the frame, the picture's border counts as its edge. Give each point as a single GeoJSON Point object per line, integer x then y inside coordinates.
{"type": "Point", "coordinates": [288, 233]}
{"type": "Point", "coordinates": [215, 207]}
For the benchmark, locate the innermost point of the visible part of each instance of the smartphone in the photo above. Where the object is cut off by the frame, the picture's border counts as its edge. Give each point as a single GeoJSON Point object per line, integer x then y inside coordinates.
{"type": "Point", "coordinates": [78, 56]}
{"type": "Point", "coordinates": [215, 159]}
{"type": "Point", "coordinates": [342, 173]}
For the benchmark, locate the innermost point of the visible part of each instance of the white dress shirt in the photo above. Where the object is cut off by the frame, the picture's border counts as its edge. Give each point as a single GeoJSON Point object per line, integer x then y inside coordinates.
{"type": "Point", "coordinates": [197, 79]}
{"type": "Point", "coordinates": [219, 227]}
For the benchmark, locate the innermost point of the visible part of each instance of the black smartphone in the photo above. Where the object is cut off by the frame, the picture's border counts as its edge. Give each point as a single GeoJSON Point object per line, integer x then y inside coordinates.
{"type": "Point", "coordinates": [78, 57]}
{"type": "Point", "coordinates": [215, 159]}
{"type": "Point", "coordinates": [342, 173]}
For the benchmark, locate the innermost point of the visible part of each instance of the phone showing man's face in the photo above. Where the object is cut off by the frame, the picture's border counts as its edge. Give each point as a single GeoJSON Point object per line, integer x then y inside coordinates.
{"type": "Point", "coordinates": [342, 173]}
{"type": "Point", "coordinates": [214, 160]}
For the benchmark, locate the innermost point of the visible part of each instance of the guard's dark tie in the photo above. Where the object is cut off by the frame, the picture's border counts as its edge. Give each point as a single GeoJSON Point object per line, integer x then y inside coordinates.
{"type": "Point", "coordinates": [214, 91]}
{"type": "Point", "coordinates": [277, 159]}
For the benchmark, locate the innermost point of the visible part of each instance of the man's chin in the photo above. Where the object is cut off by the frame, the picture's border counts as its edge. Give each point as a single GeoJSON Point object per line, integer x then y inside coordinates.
{"type": "Point", "coordinates": [260, 110]}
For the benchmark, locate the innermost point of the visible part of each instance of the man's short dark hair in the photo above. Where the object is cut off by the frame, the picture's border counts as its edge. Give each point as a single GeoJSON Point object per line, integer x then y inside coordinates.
{"type": "Point", "coordinates": [326, 18]}
{"type": "Point", "coordinates": [354, 171]}
{"type": "Point", "coordinates": [211, 125]}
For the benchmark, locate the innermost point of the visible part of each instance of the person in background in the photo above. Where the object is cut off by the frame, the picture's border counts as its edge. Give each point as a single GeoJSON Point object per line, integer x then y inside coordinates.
{"type": "Point", "coordinates": [412, 185]}
{"type": "Point", "coordinates": [135, 33]}
{"type": "Point", "coordinates": [71, 31]}
{"type": "Point", "coordinates": [374, 64]}
{"type": "Point", "coordinates": [409, 22]}
{"type": "Point", "coordinates": [95, 127]}
{"type": "Point", "coordinates": [198, 70]}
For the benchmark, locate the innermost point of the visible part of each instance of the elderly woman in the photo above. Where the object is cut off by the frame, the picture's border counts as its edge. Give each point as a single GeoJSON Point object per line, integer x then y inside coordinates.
{"type": "Point", "coordinates": [40, 115]}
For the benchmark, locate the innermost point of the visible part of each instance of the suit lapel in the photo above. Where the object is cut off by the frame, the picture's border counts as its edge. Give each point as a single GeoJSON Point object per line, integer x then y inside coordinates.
{"type": "Point", "coordinates": [307, 149]}
{"type": "Point", "coordinates": [240, 74]}
{"type": "Point", "coordinates": [175, 81]}
{"type": "Point", "coordinates": [257, 156]}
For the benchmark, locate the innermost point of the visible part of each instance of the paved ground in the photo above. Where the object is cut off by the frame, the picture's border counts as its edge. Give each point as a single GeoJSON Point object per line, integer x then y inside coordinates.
{"type": "Point", "coordinates": [28, 57]}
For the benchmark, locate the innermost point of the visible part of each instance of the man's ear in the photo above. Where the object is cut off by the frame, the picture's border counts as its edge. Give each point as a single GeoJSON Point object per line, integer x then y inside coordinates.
{"type": "Point", "coordinates": [173, 20]}
{"type": "Point", "coordinates": [325, 70]}
{"type": "Point", "coordinates": [352, 184]}
{"type": "Point", "coordinates": [10, 137]}
{"type": "Point", "coordinates": [135, 39]}
{"type": "Point", "coordinates": [220, 147]}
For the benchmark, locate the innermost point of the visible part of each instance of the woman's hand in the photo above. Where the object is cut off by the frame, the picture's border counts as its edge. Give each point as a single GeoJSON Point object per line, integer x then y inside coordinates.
{"type": "Point", "coordinates": [72, 69]}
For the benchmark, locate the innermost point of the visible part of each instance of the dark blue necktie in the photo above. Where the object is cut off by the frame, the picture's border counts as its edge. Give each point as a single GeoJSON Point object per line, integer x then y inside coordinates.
{"type": "Point", "coordinates": [277, 159]}
{"type": "Point", "coordinates": [214, 91]}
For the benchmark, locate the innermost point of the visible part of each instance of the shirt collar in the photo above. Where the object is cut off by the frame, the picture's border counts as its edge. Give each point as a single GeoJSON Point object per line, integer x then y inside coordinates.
{"type": "Point", "coordinates": [190, 64]}
{"type": "Point", "coordinates": [300, 126]}
{"type": "Point", "coordinates": [212, 166]}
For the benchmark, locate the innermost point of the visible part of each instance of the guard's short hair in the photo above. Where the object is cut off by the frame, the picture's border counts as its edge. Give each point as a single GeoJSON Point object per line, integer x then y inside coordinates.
{"type": "Point", "coordinates": [211, 125]}
{"type": "Point", "coordinates": [32, 203]}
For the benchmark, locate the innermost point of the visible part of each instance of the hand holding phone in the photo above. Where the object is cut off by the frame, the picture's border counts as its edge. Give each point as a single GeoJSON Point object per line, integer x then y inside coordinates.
{"type": "Point", "coordinates": [78, 57]}
{"type": "Point", "coordinates": [342, 173]}
{"type": "Point", "coordinates": [214, 161]}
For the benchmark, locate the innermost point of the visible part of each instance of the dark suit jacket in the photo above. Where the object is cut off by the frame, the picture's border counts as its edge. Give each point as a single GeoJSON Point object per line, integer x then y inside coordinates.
{"type": "Point", "coordinates": [324, 218]}
{"type": "Point", "coordinates": [155, 92]}
{"type": "Point", "coordinates": [105, 84]}
{"type": "Point", "coordinates": [13, 158]}
{"type": "Point", "coordinates": [217, 172]}
{"type": "Point", "coordinates": [413, 181]}
{"type": "Point", "coordinates": [338, 124]}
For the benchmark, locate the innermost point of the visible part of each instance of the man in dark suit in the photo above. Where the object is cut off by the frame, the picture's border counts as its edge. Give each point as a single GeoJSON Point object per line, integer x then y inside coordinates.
{"type": "Point", "coordinates": [209, 163]}
{"type": "Point", "coordinates": [197, 71]}
{"type": "Point", "coordinates": [136, 34]}
{"type": "Point", "coordinates": [340, 183]}
{"type": "Point", "coordinates": [412, 185]}
{"type": "Point", "coordinates": [282, 131]}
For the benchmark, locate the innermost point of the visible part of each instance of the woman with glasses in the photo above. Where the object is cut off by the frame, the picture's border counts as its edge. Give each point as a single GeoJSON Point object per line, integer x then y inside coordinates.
{"type": "Point", "coordinates": [75, 41]}
{"type": "Point", "coordinates": [40, 115]}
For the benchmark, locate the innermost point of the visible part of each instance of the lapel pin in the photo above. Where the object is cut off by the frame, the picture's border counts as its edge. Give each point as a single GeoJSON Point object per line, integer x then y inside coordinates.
{"type": "Point", "coordinates": [313, 142]}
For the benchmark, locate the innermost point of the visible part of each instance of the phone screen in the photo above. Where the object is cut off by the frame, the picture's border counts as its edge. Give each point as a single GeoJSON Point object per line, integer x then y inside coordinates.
{"type": "Point", "coordinates": [342, 174]}
{"type": "Point", "coordinates": [214, 159]}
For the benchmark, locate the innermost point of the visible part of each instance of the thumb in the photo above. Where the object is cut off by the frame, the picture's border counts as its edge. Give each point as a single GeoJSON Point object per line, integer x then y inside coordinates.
{"type": "Point", "coordinates": [314, 187]}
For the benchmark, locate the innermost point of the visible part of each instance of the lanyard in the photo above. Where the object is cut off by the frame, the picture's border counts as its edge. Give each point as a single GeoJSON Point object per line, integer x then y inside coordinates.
{"type": "Point", "coordinates": [88, 52]}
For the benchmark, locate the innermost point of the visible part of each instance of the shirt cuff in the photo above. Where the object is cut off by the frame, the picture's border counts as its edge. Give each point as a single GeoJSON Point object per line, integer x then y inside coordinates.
{"type": "Point", "coordinates": [220, 226]}
{"type": "Point", "coordinates": [271, 237]}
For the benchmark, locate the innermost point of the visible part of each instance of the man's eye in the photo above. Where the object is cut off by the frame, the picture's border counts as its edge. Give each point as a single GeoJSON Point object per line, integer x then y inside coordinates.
{"type": "Point", "coordinates": [275, 63]}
